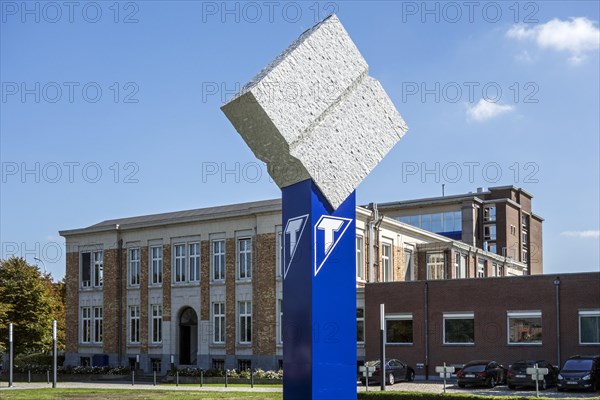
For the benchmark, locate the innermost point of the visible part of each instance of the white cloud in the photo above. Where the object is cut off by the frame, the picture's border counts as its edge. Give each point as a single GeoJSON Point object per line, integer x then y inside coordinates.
{"type": "Point", "coordinates": [582, 234]}
{"type": "Point", "coordinates": [576, 36]}
{"type": "Point", "coordinates": [484, 110]}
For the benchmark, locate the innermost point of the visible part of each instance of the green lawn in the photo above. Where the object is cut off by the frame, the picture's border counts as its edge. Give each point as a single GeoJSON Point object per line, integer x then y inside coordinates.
{"type": "Point", "coordinates": [129, 394]}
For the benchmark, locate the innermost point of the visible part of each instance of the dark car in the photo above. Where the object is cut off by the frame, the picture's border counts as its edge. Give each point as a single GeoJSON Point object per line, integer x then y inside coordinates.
{"type": "Point", "coordinates": [395, 370]}
{"type": "Point", "coordinates": [482, 373]}
{"type": "Point", "coordinates": [517, 374]}
{"type": "Point", "coordinates": [580, 372]}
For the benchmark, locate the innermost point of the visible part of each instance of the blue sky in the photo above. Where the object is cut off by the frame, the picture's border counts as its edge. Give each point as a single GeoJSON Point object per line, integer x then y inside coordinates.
{"type": "Point", "coordinates": [112, 109]}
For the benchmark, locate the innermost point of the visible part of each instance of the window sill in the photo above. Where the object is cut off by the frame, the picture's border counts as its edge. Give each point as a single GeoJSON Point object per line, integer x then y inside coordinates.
{"type": "Point", "coordinates": [185, 284]}
{"type": "Point", "coordinates": [155, 285]}
{"type": "Point", "coordinates": [220, 282]}
{"type": "Point", "coordinates": [245, 280]}
{"type": "Point", "coordinates": [155, 345]}
{"type": "Point", "coordinates": [524, 344]}
{"type": "Point", "coordinates": [217, 345]}
{"type": "Point", "coordinates": [90, 344]}
{"type": "Point", "coordinates": [459, 344]}
{"type": "Point", "coordinates": [133, 287]}
{"type": "Point", "coordinates": [244, 345]}
{"type": "Point", "coordinates": [90, 288]}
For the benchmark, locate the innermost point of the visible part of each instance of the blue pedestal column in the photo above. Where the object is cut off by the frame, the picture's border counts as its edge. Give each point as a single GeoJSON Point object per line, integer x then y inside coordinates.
{"type": "Point", "coordinates": [319, 295]}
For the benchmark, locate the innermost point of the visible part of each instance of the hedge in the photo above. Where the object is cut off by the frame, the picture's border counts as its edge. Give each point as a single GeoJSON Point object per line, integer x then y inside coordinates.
{"type": "Point", "coordinates": [435, 396]}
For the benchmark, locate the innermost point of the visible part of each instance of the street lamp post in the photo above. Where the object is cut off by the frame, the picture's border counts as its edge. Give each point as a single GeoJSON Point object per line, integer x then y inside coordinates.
{"type": "Point", "coordinates": [43, 263]}
{"type": "Point", "coordinates": [557, 288]}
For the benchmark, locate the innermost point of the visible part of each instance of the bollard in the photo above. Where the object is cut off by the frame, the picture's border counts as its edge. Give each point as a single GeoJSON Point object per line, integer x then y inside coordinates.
{"type": "Point", "coordinates": [201, 377]}
{"type": "Point", "coordinates": [226, 372]}
{"type": "Point", "coordinates": [48, 376]}
{"type": "Point", "coordinates": [132, 378]}
{"type": "Point", "coordinates": [155, 378]}
{"type": "Point", "coordinates": [28, 376]}
{"type": "Point", "coordinates": [177, 378]}
{"type": "Point", "coordinates": [252, 377]}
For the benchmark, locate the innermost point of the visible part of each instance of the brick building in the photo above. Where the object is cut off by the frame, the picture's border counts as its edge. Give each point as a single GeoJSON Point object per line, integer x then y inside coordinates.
{"type": "Point", "coordinates": [504, 319]}
{"type": "Point", "coordinates": [203, 287]}
{"type": "Point", "coordinates": [499, 220]}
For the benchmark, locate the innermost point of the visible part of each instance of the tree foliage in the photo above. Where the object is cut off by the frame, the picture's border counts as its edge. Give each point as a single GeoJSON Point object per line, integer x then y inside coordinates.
{"type": "Point", "coordinates": [31, 301]}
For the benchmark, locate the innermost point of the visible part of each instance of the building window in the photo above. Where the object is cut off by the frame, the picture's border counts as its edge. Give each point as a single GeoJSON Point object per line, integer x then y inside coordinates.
{"type": "Point", "coordinates": [589, 327]}
{"type": "Point", "coordinates": [525, 327]}
{"type": "Point", "coordinates": [218, 260]}
{"type": "Point", "coordinates": [91, 324]}
{"type": "Point", "coordinates": [492, 247]}
{"type": "Point", "coordinates": [399, 329]}
{"type": "Point", "coordinates": [97, 325]}
{"type": "Point", "coordinates": [157, 319]}
{"type": "Point", "coordinates": [498, 269]}
{"type": "Point", "coordinates": [219, 322]}
{"type": "Point", "coordinates": [180, 263]}
{"type": "Point", "coordinates": [134, 324]}
{"type": "Point", "coordinates": [86, 324]}
{"type": "Point", "coordinates": [435, 266]}
{"type": "Point", "coordinates": [360, 260]}
{"type": "Point", "coordinates": [245, 321]}
{"type": "Point", "coordinates": [489, 214]}
{"type": "Point", "coordinates": [480, 268]}
{"type": "Point", "coordinates": [218, 364]}
{"type": "Point", "coordinates": [280, 330]}
{"type": "Point", "coordinates": [279, 251]}
{"type": "Point", "coordinates": [244, 365]}
{"type": "Point", "coordinates": [489, 232]}
{"type": "Point", "coordinates": [386, 262]}
{"type": "Point", "coordinates": [459, 328]}
{"type": "Point", "coordinates": [245, 258]}
{"type": "Point", "coordinates": [524, 256]}
{"type": "Point", "coordinates": [92, 269]}
{"type": "Point", "coordinates": [134, 266]}
{"type": "Point", "coordinates": [156, 364]}
{"type": "Point", "coordinates": [156, 260]}
{"type": "Point", "coordinates": [194, 254]}
{"type": "Point", "coordinates": [408, 265]}
{"type": "Point", "coordinates": [360, 325]}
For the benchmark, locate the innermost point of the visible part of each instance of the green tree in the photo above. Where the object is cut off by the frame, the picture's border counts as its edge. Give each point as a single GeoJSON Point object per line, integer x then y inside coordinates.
{"type": "Point", "coordinates": [30, 300]}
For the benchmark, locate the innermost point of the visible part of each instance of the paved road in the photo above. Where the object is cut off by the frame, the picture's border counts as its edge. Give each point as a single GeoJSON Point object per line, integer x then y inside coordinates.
{"type": "Point", "coordinates": [434, 387]}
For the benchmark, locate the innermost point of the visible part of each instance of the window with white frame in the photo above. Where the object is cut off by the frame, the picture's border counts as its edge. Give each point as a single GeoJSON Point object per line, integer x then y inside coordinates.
{"type": "Point", "coordinates": [245, 258]}
{"type": "Point", "coordinates": [360, 260]}
{"type": "Point", "coordinates": [97, 325]}
{"type": "Point", "coordinates": [91, 324]}
{"type": "Point", "coordinates": [524, 327]}
{"type": "Point", "coordinates": [218, 309]}
{"type": "Point", "coordinates": [459, 328]}
{"type": "Point", "coordinates": [134, 324]}
{"type": "Point", "coordinates": [278, 251]}
{"type": "Point", "coordinates": [134, 266]}
{"type": "Point", "coordinates": [218, 260]}
{"type": "Point", "coordinates": [86, 324]}
{"type": "Point", "coordinates": [92, 268]}
{"type": "Point", "coordinates": [489, 213]}
{"type": "Point", "coordinates": [480, 268]}
{"type": "Point", "coordinates": [156, 327]}
{"type": "Point", "coordinates": [498, 269]}
{"type": "Point", "coordinates": [280, 331]}
{"type": "Point", "coordinates": [386, 262]}
{"type": "Point", "coordinates": [589, 327]}
{"type": "Point", "coordinates": [156, 262]}
{"type": "Point", "coordinates": [245, 321]}
{"type": "Point", "coordinates": [360, 325]}
{"type": "Point", "coordinates": [180, 263]}
{"type": "Point", "coordinates": [435, 266]}
{"type": "Point", "coordinates": [408, 265]}
{"type": "Point", "coordinates": [399, 329]}
{"type": "Point", "coordinates": [194, 257]}
{"type": "Point", "coordinates": [489, 232]}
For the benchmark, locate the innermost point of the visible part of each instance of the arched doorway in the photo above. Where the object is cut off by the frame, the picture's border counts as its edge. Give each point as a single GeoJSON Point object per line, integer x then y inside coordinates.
{"type": "Point", "coordinates": [188, 336]}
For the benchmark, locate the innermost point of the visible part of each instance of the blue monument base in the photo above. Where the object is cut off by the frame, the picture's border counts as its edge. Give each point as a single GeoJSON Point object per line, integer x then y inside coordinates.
{"type": "Point", "coordinates": [319, 295]}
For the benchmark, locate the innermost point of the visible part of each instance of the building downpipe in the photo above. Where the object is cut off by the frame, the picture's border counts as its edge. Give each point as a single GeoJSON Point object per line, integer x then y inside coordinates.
{"type": "Point", "coordinates": [557, 289]}
{"type": "Point", "coordinates": [426, 331]}
{"type": "Point", "coordinates": [120, 280]}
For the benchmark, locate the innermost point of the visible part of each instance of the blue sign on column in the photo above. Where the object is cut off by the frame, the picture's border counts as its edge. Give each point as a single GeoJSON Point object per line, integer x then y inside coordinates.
{"type": "Point", "coordinates": [319, 295]}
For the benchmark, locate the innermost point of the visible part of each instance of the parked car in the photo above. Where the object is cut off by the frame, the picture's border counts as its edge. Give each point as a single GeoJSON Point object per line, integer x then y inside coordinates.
{"type": "Point", "coordinates": [580, 372]}
{"type": "Point", "coordinates": [481, 372]}
{"type": "Point", "coordinates": [517, 374]}
{"type": "Point", "coordinates": [395, 370]}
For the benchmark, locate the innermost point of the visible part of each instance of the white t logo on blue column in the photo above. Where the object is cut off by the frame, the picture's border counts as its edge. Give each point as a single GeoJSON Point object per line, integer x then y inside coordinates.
{"type": "Point", "coordinates": [291, 237]}
{"type": "Point", "coordinates": [328, 232]}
